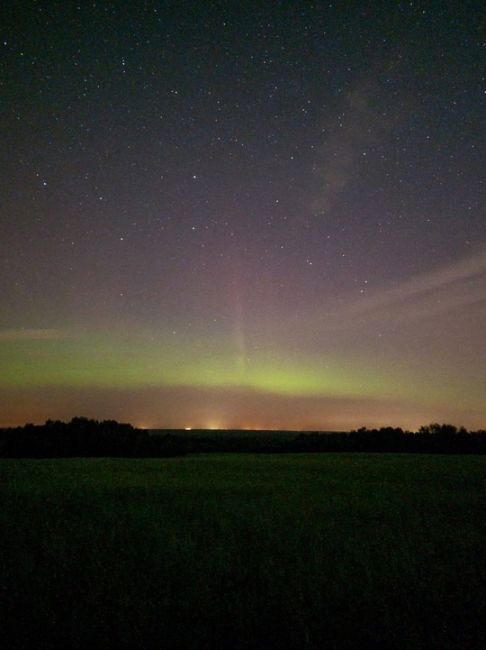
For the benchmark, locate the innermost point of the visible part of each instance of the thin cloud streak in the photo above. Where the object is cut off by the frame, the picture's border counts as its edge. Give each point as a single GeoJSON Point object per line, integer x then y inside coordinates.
{"type": "Point", "coordinates": [455, 285]}
{"type": "Point", "coordinates": [32, 334]}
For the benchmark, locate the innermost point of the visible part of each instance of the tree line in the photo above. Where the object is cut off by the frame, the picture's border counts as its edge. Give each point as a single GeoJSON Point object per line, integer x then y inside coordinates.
{"type": "Point", "coordinates": [83, 437]}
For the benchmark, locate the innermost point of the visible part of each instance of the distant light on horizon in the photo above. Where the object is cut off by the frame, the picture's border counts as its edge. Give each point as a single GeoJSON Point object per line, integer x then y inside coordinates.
{"type": "Point", "coordinates": [214, 426]}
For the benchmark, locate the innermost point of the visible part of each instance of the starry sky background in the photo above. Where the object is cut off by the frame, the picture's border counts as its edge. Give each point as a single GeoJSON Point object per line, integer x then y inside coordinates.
{"type": "Point", "coordinates": [258, 214]}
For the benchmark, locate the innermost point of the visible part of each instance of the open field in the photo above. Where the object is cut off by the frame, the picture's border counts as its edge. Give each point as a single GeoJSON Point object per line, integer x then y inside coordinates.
{"type": "Point", "coordinates": [244, 551]}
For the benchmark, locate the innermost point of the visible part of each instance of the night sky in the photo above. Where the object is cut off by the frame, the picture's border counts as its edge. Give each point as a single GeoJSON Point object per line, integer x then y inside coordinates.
{"type": "Point", "coordinates": [242, 214]}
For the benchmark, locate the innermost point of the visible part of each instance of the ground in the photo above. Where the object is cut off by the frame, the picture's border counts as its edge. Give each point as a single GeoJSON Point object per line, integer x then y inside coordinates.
{"type": "Point", "coordinates": [244, 551]}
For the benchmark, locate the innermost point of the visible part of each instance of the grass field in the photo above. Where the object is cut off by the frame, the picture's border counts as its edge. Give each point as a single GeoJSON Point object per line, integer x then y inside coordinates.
{"type": "Point", "coordinates": [244, 551]}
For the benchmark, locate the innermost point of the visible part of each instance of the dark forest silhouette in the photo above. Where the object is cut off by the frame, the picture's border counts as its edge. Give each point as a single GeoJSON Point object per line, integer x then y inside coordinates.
{"type": "Point", "coordinates": [85, 437]}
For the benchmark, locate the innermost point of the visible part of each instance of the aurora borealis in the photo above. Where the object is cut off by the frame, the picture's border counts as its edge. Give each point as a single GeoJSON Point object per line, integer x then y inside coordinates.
{"type": "Point", "coordinates": [262, 216]}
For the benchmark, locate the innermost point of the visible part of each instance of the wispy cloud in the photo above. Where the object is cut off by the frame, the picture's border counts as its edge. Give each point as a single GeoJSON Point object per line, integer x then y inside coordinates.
{"type": "Point", "coordinates": [459, 284]}
{"type": "Point", "coordinates": [31, 334]}
{"type": "Point", "coordinates": [457, 288]}
{"type": "Point", "coordinates": [355, 126]}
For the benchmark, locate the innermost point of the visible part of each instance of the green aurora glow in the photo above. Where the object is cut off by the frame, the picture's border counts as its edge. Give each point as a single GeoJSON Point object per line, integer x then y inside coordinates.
{"type": "Point", "coordinates": [124, 362]}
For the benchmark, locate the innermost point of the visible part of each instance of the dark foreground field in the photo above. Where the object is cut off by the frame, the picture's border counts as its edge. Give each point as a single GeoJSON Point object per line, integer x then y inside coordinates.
{"type": "Point", "coordinates": [244, 551]}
